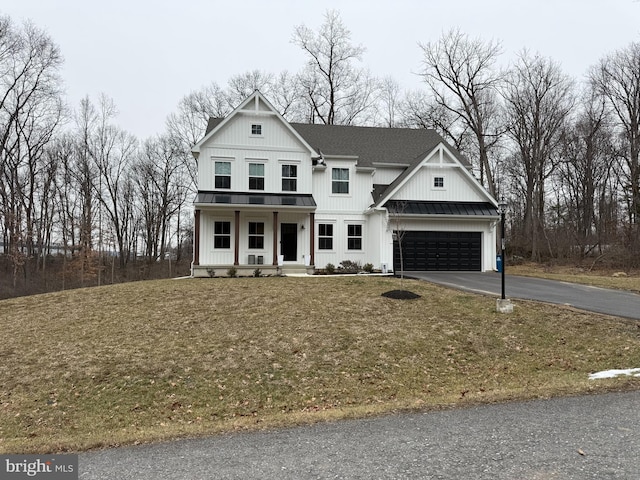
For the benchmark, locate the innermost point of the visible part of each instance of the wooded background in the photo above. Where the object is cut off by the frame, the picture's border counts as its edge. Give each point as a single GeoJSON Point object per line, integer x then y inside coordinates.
{"type": "Point", "coordinates": [84, 202]}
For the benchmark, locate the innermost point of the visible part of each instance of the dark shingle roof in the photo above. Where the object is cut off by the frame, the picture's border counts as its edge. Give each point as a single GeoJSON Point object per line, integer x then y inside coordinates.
{"type": "Point", "coordinates": [212, 123]}
{"type": "Point", "coordinates": [402, 146]}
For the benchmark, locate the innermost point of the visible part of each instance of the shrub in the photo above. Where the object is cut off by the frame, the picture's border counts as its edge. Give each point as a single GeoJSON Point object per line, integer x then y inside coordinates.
{"type": "Point", "coordinates": [257, 272]}
{"type": "Point", "coordinates": [330, 268]}
{"type": "Point", "coordinates": [368, 267]}
{"type": "Point", "coordinates": [232, 272]}
{"type": "Point", "coordinates": [350, 266]}
{"type": "Point", "coordinates": [211, 272]}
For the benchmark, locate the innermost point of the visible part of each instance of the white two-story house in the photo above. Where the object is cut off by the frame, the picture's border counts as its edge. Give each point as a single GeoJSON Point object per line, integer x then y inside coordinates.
{"type": "Point", "coordinates": [282, 196]}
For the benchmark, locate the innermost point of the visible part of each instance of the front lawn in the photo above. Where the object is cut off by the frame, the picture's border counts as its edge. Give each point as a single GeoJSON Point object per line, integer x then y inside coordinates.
{"type": "Point", "coordinates": [150, 361]}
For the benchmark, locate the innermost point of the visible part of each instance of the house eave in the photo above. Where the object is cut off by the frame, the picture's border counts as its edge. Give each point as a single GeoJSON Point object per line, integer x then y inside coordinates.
{"type": "Point", "coordinates": [415, 216]}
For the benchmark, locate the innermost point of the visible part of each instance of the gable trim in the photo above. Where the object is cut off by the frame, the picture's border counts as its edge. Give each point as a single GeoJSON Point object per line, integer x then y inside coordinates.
{"type": "Point", "coordinates": [255, 97]}
{"type": "Point", "coordinates": [439, 149]}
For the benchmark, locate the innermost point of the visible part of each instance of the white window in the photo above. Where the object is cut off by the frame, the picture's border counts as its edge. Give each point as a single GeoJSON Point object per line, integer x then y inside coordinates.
{"type": "Point", "coordinates": [438, 182]}
{"type": "Point", "coordinates": [340, 180]}
{"type": "Point", "coordinates": [256, 235]}
{"type": "Point", "coordinates": [223, 175]}
{"type": "Point", "coordinates": [222, 235]}
{"type": "Point", "coordinates": [354, 237]}
{"type": "Point", "coordinates": [325, 236]}
{"type": "Point", "coordinates": [289, 178]}
{"type": "Point", "coordinates": [256, 176]}
{"type": "Point", "coordinates": [256, 129]}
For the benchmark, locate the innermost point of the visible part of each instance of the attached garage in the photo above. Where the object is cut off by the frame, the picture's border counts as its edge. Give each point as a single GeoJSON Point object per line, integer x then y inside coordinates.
{"type": "Point", "coordinates": [438, 251]}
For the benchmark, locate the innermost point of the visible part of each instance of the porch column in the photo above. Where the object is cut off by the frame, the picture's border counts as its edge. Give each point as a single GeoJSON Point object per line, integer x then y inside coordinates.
{"type": "Point", "coordinates": [196, 238]}
{"type": "Point", "coordinates": [275, 239]}
{"type": "Point", "coordinates": [312, 240]}
{"type": "Point", "coordinates": [236, 252]}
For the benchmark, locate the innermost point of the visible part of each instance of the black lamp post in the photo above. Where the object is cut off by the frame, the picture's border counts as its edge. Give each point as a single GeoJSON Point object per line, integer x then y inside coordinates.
{"type": "Point", "coordinates": [503, 209]}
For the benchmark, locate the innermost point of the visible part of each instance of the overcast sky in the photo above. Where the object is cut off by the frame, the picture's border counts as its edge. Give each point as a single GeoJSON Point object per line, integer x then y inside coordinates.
{"type": "Point", "coordinates": [148, 55]}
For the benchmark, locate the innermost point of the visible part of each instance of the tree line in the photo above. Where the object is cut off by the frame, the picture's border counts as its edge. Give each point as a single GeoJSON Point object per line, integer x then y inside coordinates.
{"type": "Point", "coordinates": [564, 154]}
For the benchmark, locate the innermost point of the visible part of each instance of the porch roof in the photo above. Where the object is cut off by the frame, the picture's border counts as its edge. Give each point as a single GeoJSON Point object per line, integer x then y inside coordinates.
{"type": "Point", "coordinates": [302, 201]}
{"type": "Point", "coordinates": [471, 209]}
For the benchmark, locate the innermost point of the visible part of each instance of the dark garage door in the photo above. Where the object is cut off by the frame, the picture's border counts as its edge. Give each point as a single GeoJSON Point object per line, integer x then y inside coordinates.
{"type": "Point", "coordinates": [449, 251]}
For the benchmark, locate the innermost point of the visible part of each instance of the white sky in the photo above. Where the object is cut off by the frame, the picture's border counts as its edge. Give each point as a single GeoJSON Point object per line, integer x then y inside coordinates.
{"type": "Point", "coordinates": [148, 55]}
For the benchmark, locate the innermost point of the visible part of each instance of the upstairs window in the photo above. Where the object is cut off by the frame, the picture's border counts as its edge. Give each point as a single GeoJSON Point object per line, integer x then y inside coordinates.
{"type": "Point", "coordinates": [289, 178]}
{"type": "Point", "coordinates": [325, 236]}
{"type": "Point", "coordinates": [438, 182]}
{"type": "Point", "coordinates": [340, 180]}
{"type": "Point", "coordinates": [222, 235]}
{"type": "Point", "coordinates": [223, 175]}
{"type": "Point", "coordinates": [354, 237]}
{"type": "Point", "coordinates": [256, 129]}
{"type": "Point", "coordinates": [256, 235]}
{"type": "Point", "coordinates": [256, 176]}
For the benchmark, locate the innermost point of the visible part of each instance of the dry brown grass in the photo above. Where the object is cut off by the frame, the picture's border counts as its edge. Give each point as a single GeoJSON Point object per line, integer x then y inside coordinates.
{"type": "Point", "coordinates": [598, 278]}
{"type": "Point", "coordinates": [156, 360]}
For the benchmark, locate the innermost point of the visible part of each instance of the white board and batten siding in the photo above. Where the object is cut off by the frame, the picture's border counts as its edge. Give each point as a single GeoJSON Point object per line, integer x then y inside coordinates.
{"type": "Point", "coordinates": [235, 143]}
{"type": "Point", "coordinates": [458, 184]}
{"type": "Point", "coordinates": [343, 209]}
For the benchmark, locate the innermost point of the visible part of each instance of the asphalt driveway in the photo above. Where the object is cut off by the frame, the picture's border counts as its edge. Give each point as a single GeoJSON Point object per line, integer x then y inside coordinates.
{"type": "Point", "coordinates": [594, 299]}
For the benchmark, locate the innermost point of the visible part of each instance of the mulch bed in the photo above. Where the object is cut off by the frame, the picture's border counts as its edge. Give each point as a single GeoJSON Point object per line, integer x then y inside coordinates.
{"type": "Point", "coordinates": [401, 295]}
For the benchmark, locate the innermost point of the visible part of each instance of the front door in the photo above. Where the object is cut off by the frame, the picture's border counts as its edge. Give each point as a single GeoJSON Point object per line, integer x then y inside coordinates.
{"type": "Point", "coordinates": [289, 241]}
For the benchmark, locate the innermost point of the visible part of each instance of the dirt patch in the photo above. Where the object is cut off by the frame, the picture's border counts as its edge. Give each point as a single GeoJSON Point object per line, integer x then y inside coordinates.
{"type": "Point", "coordinates": [401, 295]}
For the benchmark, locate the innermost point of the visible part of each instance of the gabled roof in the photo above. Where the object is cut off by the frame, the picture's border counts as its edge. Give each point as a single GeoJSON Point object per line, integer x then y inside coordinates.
{"type": "Point", "coordinates": [401, 179]}
{"type": "Point", "coordinates": [212, 123]}
{"type": "Point", "coordinates": [249, 105]}
{"type": "Point", "coordinates": [373, 145]}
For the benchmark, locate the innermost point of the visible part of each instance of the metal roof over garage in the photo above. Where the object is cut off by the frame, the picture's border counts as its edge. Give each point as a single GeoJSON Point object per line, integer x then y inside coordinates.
{"type": "Point", "coordinates": [480, 209]}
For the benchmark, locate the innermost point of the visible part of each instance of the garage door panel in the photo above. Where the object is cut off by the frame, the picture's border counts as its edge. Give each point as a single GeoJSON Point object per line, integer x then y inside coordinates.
{"type": "Point", "coordinates": [439, 251]}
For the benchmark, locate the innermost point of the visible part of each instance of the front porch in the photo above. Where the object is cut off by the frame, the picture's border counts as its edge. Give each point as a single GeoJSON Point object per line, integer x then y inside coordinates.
{"type": "Point", "coordinates": [249, 270]}
{"type": "Point", "coordinates": [249, 235]}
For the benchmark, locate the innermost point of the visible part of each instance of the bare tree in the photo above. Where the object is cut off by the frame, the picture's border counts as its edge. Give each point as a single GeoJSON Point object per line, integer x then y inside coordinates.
{"type": "Point", "coordinates": [617, 79]}
{"type": "Point", "coordinates": [389, 101]}
{"type": "Point", "coordinates": [243, 85]}
{"type": "Point", "coordinates": [112, 151]}
{"type": "Point", "coordinates": [420, 110]}
{"type": "Point", "coordinates": [188, 125]}
{"type": "Point", "coordinates": [461, 74]}
{"type": "Point", "coordinates": [586, 174]}
{"type": "Point", "coordinates": [30, 111]}
{"type": "Point", "coordinates": [539, 98]}
{"type": "Point", "coordinates": [162, 189]}
{"type": "Point", "coordinates": [336, 91]}
{"type": "Point", "coordinates": [286, 95]}
{"type": "Point", "coordinates": [395, 219]}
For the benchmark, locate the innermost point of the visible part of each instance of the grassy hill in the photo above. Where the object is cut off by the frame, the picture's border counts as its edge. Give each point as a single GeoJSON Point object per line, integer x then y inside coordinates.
{"type": "Point", "coordinates": [155, 360]}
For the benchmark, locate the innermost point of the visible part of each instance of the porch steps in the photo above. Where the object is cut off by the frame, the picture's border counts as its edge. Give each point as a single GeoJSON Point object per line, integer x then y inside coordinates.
{"type": "Point", "coordinates": [294, 270]}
